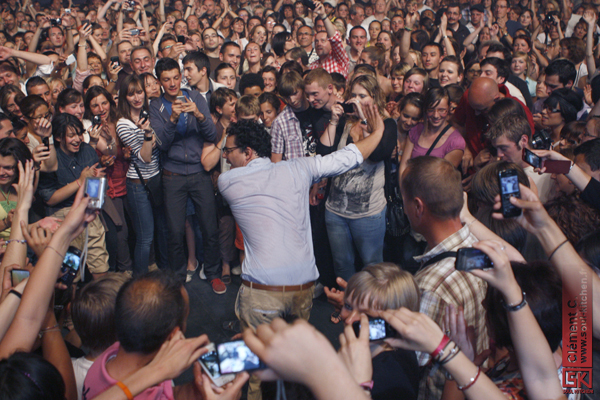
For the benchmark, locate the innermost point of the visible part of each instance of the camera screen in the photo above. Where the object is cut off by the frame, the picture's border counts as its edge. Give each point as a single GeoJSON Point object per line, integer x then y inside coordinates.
{"type": "Point", "coordinates": [532, 159]}
{"type": "Point", "coordinates": [18, 276]}
{"type": "Point", "coordinates": [211, 363]}
{"type": "Point", "coordinates": [236, 357]}
{"type": "Point", "coordinates": [376, 329]}
{"type": "Point", "coordinates": [477, 260]}
{"type": "Point", "coordinates": [510, 184]}
{"type": "Point", "coordinates": [72, 261]}
{"type": "Point", "coordinates": [93, 188]}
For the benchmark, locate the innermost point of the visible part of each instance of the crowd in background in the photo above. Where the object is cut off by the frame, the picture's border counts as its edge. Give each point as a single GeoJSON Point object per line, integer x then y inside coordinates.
{"type": "Point", "coordinates": [349, 148]}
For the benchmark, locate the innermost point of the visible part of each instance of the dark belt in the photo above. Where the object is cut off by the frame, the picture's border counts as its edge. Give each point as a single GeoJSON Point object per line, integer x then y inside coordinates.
{"type": "Point", "coordinates": [289, 288]}
{"type": "Point", "coordinates": [137, 181]}
{"type": "Point", "coordinates": [169, 173]}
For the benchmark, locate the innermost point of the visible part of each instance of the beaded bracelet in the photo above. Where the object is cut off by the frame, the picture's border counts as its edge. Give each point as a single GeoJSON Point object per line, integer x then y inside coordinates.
{"type": "Point", "coordinates": [22, 241]}
{"type": "Point", "coordinates": [471, 381]}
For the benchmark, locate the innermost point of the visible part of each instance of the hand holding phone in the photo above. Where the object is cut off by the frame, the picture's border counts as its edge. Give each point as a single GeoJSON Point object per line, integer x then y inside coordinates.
{"type": "Point", "coordinates": [17, 276]}
{"type": "Point", "coordinates": [209, 362]}
{"type": "Point", "coordinates": [70, 265]}
{"type": "Point", "coordinates": [545, 164]}
{"type": "Point", "coordinates": [235, 356]}
{"type": "Point", "coordinates": [468, 259]}
{"type": "Point", "coordinates": [379, 329]}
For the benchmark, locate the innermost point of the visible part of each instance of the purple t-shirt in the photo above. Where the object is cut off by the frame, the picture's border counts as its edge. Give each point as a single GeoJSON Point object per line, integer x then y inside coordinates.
{"type": "Point", "coordinates": [98, 380]}
{"type": "Point", "coordinates": [454, 142]}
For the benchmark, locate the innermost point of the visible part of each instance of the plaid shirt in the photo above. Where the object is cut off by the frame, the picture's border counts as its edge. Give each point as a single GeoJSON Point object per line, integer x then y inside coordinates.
{"type": "Point", "coordinates": [441, 285]}
{"type": "Point", "coordinates": [286, 136]}
{"type": "Point", "coordinates": [336, 60]}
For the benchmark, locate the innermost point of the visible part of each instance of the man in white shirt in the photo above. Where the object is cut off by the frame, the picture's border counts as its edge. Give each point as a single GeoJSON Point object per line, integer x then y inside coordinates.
{"type": "Point", "coordinates": [270, 203]}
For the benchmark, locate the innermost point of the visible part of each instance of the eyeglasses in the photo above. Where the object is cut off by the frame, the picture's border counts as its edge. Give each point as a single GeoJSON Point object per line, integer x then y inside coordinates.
{"type": "Point", "coordinates": [551, 110]}
{"type": "Point", "coordinates": [227, 150]}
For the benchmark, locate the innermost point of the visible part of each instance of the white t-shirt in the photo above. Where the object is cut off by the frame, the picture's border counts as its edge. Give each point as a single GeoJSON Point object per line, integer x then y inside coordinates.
{"type": "Point", "coordinates": [81, 367]}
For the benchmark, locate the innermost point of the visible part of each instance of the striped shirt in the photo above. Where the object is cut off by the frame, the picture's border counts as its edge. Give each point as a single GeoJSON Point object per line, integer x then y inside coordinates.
{"type": "Point", "coordinates": [133, 137]}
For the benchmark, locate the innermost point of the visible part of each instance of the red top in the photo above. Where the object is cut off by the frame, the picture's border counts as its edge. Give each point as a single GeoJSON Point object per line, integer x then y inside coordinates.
{"type": "Point", "coordinates": [474, 124]}
{"type": "Point", "coordinates": [116, 174]}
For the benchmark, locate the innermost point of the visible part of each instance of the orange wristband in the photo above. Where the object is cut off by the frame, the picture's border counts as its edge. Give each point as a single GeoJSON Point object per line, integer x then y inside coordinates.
{"type": "Point", "coordinates": [125, 390]}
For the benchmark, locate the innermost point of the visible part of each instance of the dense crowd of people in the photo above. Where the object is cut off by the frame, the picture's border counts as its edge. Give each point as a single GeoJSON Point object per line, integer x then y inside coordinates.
{"type": "Point", "coordinates": [350, 148]}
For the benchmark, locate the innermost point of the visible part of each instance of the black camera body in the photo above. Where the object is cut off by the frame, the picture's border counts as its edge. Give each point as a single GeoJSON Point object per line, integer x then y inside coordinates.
{"type": "Point", "coordinates": [550, 18]}
{"type": "Point", "coordinates": [56, 22]}
{"type": "Point", "coordinates": [541, 140]}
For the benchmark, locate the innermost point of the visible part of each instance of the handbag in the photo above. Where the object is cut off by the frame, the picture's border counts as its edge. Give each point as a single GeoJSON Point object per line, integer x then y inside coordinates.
{"type": "Point", "coordinates": [153, 187]}
{"type": "Point", "coordinates": [396, 222]}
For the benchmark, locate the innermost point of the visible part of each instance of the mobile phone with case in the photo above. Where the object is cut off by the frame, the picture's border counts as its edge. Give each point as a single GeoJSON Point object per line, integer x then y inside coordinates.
{"type": "Point", "coordinates": [235, 357]}
{"type": "Point", "coordinates": [468, 259]}
{"type": "Point", "coordinates": [209, 362]}
{"type": "Point", "coordinates": [509, 187]}
{"type": "Point", "coordinates": [379, 329]}
{"type": "Point", "coordinates": [17, 276]}
{"type": "Point", "coordinates": [552, 166]}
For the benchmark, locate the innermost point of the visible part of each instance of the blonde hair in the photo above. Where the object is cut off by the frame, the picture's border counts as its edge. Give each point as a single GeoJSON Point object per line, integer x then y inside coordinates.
{"type": "Point", "coordinates": [525, 56]}
{"type": "Point", "coordinates": [384, 286]}
{"type": "Point", "coordinates": [371, 85]}
{"type": "Point", "coordinates": [247, 105]}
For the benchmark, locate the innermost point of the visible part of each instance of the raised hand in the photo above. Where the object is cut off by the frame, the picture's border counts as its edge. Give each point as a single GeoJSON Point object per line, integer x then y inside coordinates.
{"type": "Point", "coordinates": [25, 186]}
{"type": "Point", "coordinates": [417, 331]}
{"type": "Point", "coordinates": [355, 352]}
{"type": "Point", "coordinates": [37, 237]}
{"type": "Point", "coordinates": [335, 297]}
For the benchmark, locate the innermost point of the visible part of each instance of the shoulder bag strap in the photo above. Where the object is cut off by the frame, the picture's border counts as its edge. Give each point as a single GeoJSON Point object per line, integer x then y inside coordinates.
{"type": "Point", "coordinates": [437, 139]}
{"type": "Point", "coordinates": [438, 258]}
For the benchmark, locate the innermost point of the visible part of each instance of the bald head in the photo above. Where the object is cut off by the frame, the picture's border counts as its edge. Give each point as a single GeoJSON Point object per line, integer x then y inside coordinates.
{"type": "Point", "coordinates": [483, 94]}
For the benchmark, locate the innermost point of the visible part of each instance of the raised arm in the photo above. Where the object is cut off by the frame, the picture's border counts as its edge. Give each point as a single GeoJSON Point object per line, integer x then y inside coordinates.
{"type": "Point", "coordinates": [103, 10]}
{"type": "Point", "coordinates": [409, 24]}
{"type": "Point", "coordinates": [561, 254]}
{"type": "Point", "coordinates": [533, 352]}
{"type": "Point", "coordinates": [35, 58]}
{"type": "Point", "coordinates": [23, 332]}
{"type": "Point", "coordinates": [590, 18]}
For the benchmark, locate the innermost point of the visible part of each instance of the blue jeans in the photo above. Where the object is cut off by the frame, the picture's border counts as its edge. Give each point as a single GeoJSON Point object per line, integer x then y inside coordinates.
{"type": "Point", "coordinates": [366, 233]}
{"type": "Point", "coordinates": [145, 218]}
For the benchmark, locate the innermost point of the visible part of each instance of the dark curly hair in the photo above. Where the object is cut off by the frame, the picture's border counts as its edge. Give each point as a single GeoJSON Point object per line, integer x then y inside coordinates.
{"type": "Point", "coordinates": [253, 135]}
{"type": "Point", "coordinates": [542, 283]}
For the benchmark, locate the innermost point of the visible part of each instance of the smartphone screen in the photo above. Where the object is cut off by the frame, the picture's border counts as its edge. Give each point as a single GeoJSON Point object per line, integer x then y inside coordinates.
{"type": "Point", "coordinates": [468, 259]}
{"type": "Point", "coordinates": [236, 357]}
{"type": "Point", "coordinates": [181, 98]}
{"type": "Point", "coordinates": [210, 361]}
{"type": "Point", "coordinates": [509, 187]}
{"type": "Point", "coordinates": [378, 329]}
{"type": "Point", "coordinates": [18, 275]}
{"type": "Point", "coordinates": [530, 158]}
{"type": "Point", "coordinates": [70, 265]}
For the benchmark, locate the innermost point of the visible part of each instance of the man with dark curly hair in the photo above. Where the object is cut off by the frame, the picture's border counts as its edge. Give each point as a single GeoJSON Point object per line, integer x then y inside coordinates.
{"type": "Point", "coordinates": [270, 204]}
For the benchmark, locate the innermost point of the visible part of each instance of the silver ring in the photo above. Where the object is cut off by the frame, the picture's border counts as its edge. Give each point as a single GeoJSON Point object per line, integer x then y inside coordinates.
{"type": "Point", "coordinates": [448, 332]}
{"type": "Point", "coordinates": [502, 248]}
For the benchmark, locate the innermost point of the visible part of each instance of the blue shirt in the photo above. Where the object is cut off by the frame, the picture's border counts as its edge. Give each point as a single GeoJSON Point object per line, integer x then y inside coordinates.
{"type": "Point", "coordinates": [270, 204]}
{"type": "Point", "coordinates": [69, 170]}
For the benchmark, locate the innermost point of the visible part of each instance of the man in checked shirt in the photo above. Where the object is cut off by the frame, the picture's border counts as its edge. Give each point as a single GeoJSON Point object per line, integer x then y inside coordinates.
{"type": "Point", "coordinates": [330, 47]}
{"type": "Point", "coordinates": [433, 199]}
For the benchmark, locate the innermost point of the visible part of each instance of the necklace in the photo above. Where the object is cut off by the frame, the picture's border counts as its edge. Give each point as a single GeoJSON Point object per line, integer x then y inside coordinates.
{"type": "Point", "coordinates": [4, 194]}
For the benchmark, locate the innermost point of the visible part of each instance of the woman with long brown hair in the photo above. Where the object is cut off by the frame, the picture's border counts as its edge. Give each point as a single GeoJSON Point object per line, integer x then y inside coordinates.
{"type": "Point", "coordinates": [356, 204]}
